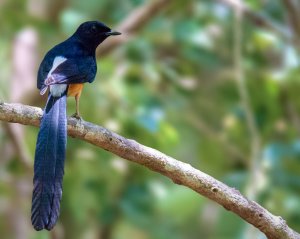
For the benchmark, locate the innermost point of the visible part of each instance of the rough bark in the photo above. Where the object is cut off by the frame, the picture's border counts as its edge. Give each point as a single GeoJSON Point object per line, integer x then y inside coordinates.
{"type": "Point", "coordinates": [274, 227]}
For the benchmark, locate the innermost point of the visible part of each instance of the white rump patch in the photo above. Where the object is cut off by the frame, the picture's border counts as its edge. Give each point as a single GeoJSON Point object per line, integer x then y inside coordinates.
{"type": "Point", "coordinates": [58, 90]}
{"type": "Point", "coordinates": [56, 62]}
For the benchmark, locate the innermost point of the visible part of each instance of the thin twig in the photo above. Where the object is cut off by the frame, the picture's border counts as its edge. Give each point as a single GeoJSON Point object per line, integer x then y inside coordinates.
{"type": "Point", "coordinates": [180, 173]}
{"type": "Point", "coordinates": [255, 169]}
{"type": "Point", "coordinates": [250, 117]}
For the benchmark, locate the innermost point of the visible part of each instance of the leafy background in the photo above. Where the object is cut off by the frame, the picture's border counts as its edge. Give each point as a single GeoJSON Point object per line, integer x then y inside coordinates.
{"type": "Point", "coordinates": [183, 82]}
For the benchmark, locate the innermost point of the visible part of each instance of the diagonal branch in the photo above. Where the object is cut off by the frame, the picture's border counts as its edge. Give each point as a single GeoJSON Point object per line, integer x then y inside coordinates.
{"type": "Point", "coordinates": [132, 23]}
{"type": "Point", "coordinates": [258, 19]}
{"type": "Point", "coordinates": [293, 15]}
{"type": "Point", "coordinates": [181, 173]}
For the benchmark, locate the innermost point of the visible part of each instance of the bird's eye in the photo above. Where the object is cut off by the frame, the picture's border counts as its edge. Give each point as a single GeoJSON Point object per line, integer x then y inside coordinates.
{"type": "Point", "coordinates": [93, 29]}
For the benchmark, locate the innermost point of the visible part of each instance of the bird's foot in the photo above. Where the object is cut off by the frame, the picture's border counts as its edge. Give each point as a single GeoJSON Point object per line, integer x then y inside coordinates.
{"type": "Point", "coordinates": [76, 116]}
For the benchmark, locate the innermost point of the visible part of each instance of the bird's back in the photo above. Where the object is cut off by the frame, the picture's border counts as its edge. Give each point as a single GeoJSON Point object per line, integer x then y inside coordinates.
{"type": "Point", "coordinates": [71, 49]}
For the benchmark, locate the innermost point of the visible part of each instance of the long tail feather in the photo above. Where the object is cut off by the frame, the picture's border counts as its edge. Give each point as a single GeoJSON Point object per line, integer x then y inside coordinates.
{"type": "Point", "coordinates": [49, 164]}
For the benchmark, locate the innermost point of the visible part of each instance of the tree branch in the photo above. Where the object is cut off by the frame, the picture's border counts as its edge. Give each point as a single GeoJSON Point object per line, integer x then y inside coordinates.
{"type": "Point", "coordinates": [181, 173]}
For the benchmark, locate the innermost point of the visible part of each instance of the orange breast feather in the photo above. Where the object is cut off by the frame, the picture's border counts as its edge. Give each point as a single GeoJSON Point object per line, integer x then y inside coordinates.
{"type": "Point", "coordinates": [75, 89]}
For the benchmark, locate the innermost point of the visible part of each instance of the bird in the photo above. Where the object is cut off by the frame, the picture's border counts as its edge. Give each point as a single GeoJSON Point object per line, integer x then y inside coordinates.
{"type": "Point", "coordinates": [64, 70]}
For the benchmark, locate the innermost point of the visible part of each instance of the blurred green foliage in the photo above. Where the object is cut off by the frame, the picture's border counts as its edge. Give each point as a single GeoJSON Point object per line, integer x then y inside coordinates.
{"type": "Point", "coordinates": [172, 87]}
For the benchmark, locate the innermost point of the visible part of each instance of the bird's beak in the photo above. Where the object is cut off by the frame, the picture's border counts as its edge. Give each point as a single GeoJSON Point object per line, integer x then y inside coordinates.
{"type": "Point", "coordinates": [113, 33]}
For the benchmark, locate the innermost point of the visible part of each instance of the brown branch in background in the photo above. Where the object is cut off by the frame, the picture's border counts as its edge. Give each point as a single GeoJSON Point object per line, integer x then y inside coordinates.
{"type": "Point", "coordinates": [258, 19]}
{"type": "Point", "coordinates": [46, 10]}
{"type": "Point", "coordinates": [255, 167]}
{"type": "Point", "coordinates": [129, 26]}
{"type": "Point", "coordinates": [21, 190]}
{"type": "Point", "coordinates": [245, 101]}
{"type": "Point", "coordinates": [18, 144]}
{"type": "Point", "coordinates": [289, 108]}
{"type": "Point", "coordinates": [274, 227]}
{"type": "Point", "coordinates": [293, 15]}
{"type": "Point", "coordinates": [134, 22]}
{"type": "Point", "coordinates": [24, 58]}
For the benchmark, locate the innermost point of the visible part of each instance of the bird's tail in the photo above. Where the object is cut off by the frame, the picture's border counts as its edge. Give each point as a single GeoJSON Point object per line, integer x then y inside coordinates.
{"type": "Point", "coordinates": [49, 164]}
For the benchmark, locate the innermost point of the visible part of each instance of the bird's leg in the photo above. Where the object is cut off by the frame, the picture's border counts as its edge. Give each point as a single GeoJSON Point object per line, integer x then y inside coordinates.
{"type": "Point", "coordinates": [77, 115]}
{"type": "Point", "coordinates": [77, 97]}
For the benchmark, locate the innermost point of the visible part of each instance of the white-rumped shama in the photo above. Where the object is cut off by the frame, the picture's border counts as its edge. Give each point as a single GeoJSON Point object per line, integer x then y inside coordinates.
{"type": "Point", "coordinates": [63, 70]}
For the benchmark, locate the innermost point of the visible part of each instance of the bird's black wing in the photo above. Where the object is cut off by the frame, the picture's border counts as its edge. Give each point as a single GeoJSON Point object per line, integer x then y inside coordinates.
{"type": "Point", "coordinates": [71, 71]}
{"type": "Point", "coordinates": [44, 68]}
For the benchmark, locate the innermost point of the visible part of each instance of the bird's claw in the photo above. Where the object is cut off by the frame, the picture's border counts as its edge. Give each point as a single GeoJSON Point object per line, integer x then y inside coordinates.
{"type": "Point", "coordinates": [76, 116]}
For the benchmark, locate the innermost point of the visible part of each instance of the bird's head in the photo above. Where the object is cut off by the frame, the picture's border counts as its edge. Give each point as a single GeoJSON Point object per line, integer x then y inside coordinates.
{"type": "Point", "coordinates": [92, 33]}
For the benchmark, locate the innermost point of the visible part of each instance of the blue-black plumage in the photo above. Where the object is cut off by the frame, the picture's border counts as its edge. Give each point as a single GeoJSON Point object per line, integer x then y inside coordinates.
{"type": "Point", "coordinates": [68, 64]}
{"type": "Point", "coordinates": [49, 164]}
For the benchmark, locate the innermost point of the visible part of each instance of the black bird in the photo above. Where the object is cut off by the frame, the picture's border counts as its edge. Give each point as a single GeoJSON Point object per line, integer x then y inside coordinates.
{"type": "Point", "coordinates": [63, 70]}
